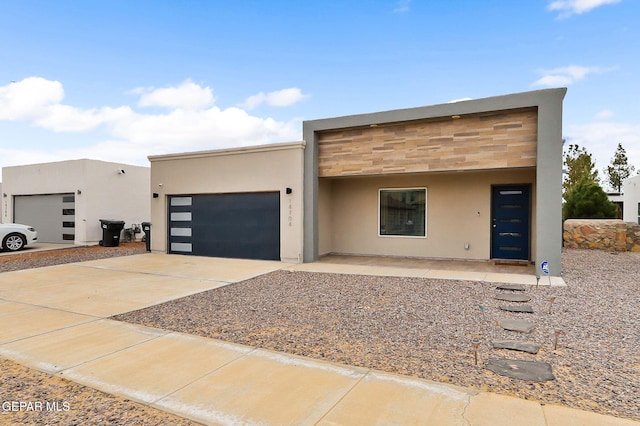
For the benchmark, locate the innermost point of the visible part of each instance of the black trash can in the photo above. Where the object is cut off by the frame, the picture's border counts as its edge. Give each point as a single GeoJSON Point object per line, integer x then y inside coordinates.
{"type": "Point", "coordinates": [111, 232]}
{"type": "Point", "coordinates": [146, 227]}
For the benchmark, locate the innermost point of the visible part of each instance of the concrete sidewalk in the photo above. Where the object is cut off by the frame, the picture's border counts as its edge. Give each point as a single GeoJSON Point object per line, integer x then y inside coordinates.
{"type": "Point", "coordinates": [54, 320]}
{"type": "Point", "coordinates": [430, 273]}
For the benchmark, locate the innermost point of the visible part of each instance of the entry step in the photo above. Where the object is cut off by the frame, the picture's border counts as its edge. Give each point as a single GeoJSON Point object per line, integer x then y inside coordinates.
{"type": "Point", "coordinates": [511, 287]}
{"type": "Point", "coordinates": [513, 297]}
{"type": "Point", "coordinates": [519, 309]}
{"type": "Point", "coordinates": [524, 370]}
{"type": "Point", "coordinates": [521, 326]}
{"type": "Point", "coordinates": [516, 345]}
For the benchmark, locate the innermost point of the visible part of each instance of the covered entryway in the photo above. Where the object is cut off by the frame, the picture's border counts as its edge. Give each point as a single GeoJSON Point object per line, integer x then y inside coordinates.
{"type": "Point", "coordinates": [235, 225]}
{"type": "Point", "coordinates": [510, 229]}
{"type": "Point", "coordinates": [53, 216]}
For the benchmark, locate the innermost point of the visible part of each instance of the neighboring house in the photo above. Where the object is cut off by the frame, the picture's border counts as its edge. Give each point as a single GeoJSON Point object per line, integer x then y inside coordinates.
{"type": "Point", "coordinates": [631, 191]}
{"type": "Point", "coordinates": [617, 198]}
{"type": "Point", "coordinates": [478, 180]}
{"type": "Point", "coordinates": [65, 200]}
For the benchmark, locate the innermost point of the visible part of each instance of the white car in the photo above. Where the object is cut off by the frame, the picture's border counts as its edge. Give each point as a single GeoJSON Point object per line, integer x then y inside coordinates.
{"type": "Point", "coordinates": [14, 236]}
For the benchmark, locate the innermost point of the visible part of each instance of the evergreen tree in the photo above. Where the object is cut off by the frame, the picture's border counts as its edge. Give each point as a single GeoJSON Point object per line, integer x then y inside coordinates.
{"type": "Point", "coordinates": [579, 167]}
{"type": "Point", "coordinates": [619, 169]}
{"type": "Point", "coordinates": [587, 200]}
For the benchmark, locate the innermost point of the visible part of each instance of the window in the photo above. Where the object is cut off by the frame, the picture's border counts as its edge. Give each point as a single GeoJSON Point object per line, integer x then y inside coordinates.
{"type": "Point", "coordinates": [638, 213]}
{"type": "Point", "coordinates": [403, 212]}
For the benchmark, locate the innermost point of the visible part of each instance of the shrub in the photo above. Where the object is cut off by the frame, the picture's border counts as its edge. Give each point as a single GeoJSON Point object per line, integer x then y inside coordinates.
{"type": "Point", "coordinates": [588, 201]}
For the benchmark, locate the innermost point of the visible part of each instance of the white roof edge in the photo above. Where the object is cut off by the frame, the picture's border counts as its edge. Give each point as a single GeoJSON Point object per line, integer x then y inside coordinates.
{"type": "Point", "coordinates": [76, 160]}
{"type": "Point", "coordinates": [229, 151]}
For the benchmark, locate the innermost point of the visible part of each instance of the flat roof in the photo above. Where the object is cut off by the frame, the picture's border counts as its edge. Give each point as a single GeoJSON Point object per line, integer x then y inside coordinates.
{"type": "Point", "coordinates": [229, 151]}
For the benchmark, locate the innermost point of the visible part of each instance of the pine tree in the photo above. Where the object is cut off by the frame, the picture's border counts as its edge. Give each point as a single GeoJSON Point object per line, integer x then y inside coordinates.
{"type": "Point", "coordinates": [579, 167]}
{"type": "Point", "coordinates": [619, 169]}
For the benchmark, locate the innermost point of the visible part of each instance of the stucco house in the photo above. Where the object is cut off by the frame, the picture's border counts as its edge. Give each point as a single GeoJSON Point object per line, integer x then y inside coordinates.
{"type": "Point", "coordinates": [65, 200]}
{"type": "Point", "coordinates": [476, 180]}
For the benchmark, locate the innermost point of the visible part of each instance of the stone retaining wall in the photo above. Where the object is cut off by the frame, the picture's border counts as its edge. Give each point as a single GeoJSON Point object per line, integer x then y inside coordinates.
{"type": "Point", "coordinates": [601, 234]}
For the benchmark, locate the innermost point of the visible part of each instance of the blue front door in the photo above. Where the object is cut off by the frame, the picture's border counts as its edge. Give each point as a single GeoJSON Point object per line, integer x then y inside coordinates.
{"type": "Point", "coordinates": [510, 212]}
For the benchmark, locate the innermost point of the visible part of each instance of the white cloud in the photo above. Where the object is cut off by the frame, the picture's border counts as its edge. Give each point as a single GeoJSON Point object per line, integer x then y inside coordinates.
{"type": "Point", "coordinates": [203, 129]}
{"type": "Point", "coordinates": [577, 7]}
{"type": "Point", "coordinates": [284, 97]}
{"type": "Point", "coordinates": [18, 157]}
{"type": "Point", "coordinates": [602, 138]}
{"type": "Point", "coordinates": [402, 6]}
{"type": "Point", "coordinates": [65, 118]}
{"type": "Point", "coordinates": [604, 115]}
{"type": "Point", "coordinates": [188, 95]}
{"type": "Point", "coordinates": [29, 98]}
{"type": "Point", "coordinates": [133, 135]}
{"type": "Point", "coordinates": [565, 76]}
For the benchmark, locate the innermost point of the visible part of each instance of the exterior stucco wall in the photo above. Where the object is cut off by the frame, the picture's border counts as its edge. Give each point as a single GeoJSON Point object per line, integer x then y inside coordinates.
{"type": "Point", "coordinates": [458, 213]}
{"type": "Point", "coordinates": [252, 169]}
{"type": "Point", "coordinates": [100, 191]}
{"type": "Point", "coordinates": [325, 216]}
{"type": "Point", "coordinates": [631, 198]}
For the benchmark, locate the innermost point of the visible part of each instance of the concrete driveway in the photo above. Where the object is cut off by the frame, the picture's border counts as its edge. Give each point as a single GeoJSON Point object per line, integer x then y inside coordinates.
{"type": "Point", "coordinates": [107, 287]}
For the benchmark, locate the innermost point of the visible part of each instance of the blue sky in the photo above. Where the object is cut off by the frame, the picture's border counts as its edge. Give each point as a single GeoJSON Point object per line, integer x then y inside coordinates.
{"type": "Point", "coordinates": [120, 80]}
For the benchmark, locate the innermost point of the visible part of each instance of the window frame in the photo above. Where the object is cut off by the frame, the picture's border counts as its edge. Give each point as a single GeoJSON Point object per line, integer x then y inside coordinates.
{"type": "Point", "coordinates": [417, 188]}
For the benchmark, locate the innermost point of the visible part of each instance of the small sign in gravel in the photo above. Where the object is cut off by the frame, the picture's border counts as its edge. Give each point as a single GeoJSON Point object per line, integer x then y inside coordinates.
{"type": "Point", "coordinates": [513, 297]}
{"type": "Point", "coordinates": [516, 345]}
{"type": "Point", "coordinates": [521, 326]}
{"type": "Point", "coordinates": [523, 370]}
{"type": "Point", "coordinates": [523, 309]}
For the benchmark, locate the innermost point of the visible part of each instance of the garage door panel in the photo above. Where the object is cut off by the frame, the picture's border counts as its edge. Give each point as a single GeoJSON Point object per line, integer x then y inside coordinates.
{"type": "Point", "coordinates": [240, 225]}
{"type": "Point", "coordinates": [53, 216]}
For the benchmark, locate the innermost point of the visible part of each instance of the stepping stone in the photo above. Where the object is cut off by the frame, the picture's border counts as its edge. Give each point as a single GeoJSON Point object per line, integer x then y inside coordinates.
{"type": "Point", "coordinates": [521, 326]}
{"type": "Point", "coordinates": [511, 287]}
{"type": "Point", "coordinates": [513, 297]}
{"type": "Point", "coordinates": [516, 345]}
{"type": "Point", "coordinates": [523, 308]}
{"type": "Point", "coordinates": [523, 370]}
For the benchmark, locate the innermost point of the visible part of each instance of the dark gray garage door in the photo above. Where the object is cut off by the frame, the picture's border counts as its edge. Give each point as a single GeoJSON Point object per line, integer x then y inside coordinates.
{"type": "Point", "coordinates": [241, 225]}
{"type": "Point", "coordinates": [53, 216]}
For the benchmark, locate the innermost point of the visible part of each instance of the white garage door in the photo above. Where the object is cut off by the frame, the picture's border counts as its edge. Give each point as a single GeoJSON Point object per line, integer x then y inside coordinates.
{"type": "Point", "coordinates": [53, 216]}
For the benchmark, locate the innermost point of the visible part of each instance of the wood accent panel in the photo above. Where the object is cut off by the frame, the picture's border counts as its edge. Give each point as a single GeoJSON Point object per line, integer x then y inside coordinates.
{"type": "Point", "coordinates": [495, 140]}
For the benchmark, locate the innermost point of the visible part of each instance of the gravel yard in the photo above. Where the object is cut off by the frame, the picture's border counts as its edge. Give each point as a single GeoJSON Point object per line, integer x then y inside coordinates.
{"type": "Point", "coordinates": [36, 259]}
{"type": "Point", "coordinates": [411, 326]}
{"type": "Point", "coordinates": [425, 328]}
